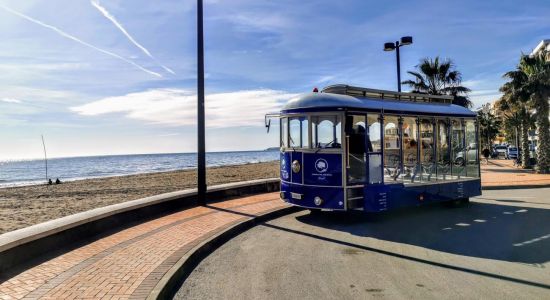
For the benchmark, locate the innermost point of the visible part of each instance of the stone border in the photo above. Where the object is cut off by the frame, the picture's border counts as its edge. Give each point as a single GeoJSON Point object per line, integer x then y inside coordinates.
{"type": "Point", "coordinates": [34, 244]}
{"type": "Point", "coordinates": [168, 285]}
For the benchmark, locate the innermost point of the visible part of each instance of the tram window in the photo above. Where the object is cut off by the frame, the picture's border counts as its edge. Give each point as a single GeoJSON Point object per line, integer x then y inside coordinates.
{"type": "Point", "coordinates": [373, 134]}
{"type": "Point", "coordinates": [305, 132]}
{"type": "Point", "coordinates": [410, 148]}
{"type": "Point", "coordinates": [392, 146]}
{"type": "Point", "coordinates": [284, 132]}
{"type": "Point", "coordinates": [299, 137]}
{"type": "Point", "coordinates": [443, 155]}
{"type": "Point", "coordinates": [326, 131]}
{"type": "Point", "coordinates": [458, 149]}
{"type": "Point", "coordinates": [472, 162]}
{"type": "Point", "coordinates": [427, 159]}
{"type": "Point", "coordinates": [294, 129]}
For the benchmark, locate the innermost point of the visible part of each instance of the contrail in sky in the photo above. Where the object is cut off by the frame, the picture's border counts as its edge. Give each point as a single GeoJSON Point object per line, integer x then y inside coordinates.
{"type": "Point", "coordinates": [111, 18]}
{"type": "Point", "coordinates": [66, 35]}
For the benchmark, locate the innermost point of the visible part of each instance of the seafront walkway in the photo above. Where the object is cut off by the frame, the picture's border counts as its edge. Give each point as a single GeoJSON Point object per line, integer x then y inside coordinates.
{"type": "Point", "coordinates": [500, 173]}
{"type": "Point", "coordinates": [133, 262]}
{"type": "Point", "coordinates": [129, 264]}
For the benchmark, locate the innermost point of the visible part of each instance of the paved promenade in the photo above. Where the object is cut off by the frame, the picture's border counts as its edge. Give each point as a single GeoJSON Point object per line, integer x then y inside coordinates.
{"type": "Point", "coordinates": [129, 263]}
{"type": "Point", "coordinates": [502, 173]}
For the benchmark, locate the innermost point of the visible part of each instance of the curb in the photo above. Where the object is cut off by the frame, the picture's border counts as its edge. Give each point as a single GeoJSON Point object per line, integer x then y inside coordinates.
{"type": "Point", "coordinates": [514, 187]}
{"type": "Point", "coordinates": [34, 244]}
{"type": "Point", "coordinates": [167, 286]}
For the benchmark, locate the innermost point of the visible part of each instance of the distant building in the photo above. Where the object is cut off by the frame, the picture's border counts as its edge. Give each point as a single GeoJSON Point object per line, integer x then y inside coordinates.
{"type": "Point", "coordinates": [544, 44]}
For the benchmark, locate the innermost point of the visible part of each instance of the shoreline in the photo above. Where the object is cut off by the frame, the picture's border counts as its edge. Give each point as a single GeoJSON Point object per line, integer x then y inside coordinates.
{"type": "Point", "coordinates": [23, 206]}
{"type": "Point", "coordinates": [22, 184]}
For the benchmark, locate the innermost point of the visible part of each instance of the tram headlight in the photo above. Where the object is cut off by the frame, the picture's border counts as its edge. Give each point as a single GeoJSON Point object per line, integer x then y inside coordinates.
{"type": "Point", "coordinates": [318, 201]}
{"type": "Point", "coordinates": [296, 166]}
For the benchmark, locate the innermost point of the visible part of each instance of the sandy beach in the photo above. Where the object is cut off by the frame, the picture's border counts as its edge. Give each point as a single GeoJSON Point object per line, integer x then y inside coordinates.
{"type": "Point", "coordinates": [24, 206]}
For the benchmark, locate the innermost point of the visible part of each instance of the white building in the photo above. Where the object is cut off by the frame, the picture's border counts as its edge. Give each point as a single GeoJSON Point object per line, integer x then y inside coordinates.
{"type": "Point", "coordinates": [544, 44]}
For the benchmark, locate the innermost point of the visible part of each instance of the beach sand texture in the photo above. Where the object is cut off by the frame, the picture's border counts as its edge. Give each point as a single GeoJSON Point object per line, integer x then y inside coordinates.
{"type": "Point", "coordinates": [24, 206]}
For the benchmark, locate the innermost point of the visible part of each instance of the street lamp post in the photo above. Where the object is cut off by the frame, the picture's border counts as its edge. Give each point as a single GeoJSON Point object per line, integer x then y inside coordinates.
{"type": "Point", "coordinates": [406, 40]}
{"type": "Point", "coordinates": [201, 152]}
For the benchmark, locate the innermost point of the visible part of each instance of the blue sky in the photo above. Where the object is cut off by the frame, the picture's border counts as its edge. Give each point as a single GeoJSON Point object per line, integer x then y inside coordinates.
{"type": "Point", "coordinates": [118, 76]}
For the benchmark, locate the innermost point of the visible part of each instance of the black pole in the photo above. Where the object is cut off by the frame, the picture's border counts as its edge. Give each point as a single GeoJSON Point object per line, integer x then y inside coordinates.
{"type": "Point", "coordinates": [201, 155]}
{"type": "Point", "coordinates": [398, 66]}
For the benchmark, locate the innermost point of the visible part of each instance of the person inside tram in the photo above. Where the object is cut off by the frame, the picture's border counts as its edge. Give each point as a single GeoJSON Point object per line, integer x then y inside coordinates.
{"type": "Point", "coordinates": [357, 152]}
{"type": "Point", "coordinates": [410, 154]}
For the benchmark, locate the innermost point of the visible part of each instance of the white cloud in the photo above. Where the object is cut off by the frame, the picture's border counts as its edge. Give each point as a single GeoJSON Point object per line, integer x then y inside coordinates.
{"type": "Point", "coordinates": [480, 97]}
{"type": "Point", "coordinates": [34, 67]}
{"type": "Point", "coordinates": [11, 100]}
{"type": "Point", "coordinates": [177, 107]}
{"type": "Point", "coordinates": [325, 79]}
{"type": "Point", "coordinates": [169, 134]}
{"type": "Point", "coordinates": [257, 21]}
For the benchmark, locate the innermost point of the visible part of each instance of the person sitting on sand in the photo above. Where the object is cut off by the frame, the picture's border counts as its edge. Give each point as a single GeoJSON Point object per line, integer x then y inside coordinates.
{"type": "Point", "coordinates": [50, 181]}
{"type": "Point", "coordinates": [57, 181]}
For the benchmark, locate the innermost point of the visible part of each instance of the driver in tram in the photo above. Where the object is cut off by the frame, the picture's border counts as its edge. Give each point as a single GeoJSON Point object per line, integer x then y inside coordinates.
{"type": "Point", "coordinates": [357, 152]}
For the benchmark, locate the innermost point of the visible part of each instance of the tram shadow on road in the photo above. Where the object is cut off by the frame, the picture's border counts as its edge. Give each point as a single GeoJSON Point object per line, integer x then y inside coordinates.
{"type": "Point", "coordinates": [500, 232]}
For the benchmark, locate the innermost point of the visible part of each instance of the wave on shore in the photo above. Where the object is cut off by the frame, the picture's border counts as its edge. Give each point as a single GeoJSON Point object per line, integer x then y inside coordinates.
{"type": "Point", "coordinates": [32, 172]}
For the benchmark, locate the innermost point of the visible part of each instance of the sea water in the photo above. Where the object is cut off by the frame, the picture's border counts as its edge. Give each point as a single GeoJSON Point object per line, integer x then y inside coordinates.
{"type": "Point", "coordinates": [29, 172]}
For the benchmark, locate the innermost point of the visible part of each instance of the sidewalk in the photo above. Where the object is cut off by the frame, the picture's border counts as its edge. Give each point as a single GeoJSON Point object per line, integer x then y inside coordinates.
{"type": "Point", "coordinates": [502, 173]}
{"type": "Point", "coordinates": [129, 263]}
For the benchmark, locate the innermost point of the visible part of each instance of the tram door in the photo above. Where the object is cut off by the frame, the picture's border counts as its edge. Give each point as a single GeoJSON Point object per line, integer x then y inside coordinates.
{"type": "Point", "coordinates": [374, 163]}
{"type": "Point", "coordinates": [356, 130]}
{"type": "Point", "coordinates": [356, 133]}
{"type": "Point", "coordinates": [375, 192]}
{"type": "Point", "coordinates": [364, 142]}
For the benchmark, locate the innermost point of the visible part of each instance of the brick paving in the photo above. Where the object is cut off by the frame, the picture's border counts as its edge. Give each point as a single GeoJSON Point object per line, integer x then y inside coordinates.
{"type": "Point", "coordinates": [503, 173]}
{"type": "Point", "coordinates": [129, 263]}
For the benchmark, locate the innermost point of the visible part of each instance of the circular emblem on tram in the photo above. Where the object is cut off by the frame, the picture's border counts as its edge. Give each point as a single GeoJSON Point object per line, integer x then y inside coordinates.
{"type": "Point", "coordinates": [321, 165]}
{"type": "Point", "coordinates": [296, 166]}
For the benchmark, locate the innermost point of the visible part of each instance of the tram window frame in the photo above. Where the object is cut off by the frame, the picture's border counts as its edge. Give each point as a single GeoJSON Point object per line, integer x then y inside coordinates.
{"type": "Point", "coordinates": [443, 150]}
{"type": "Point", "coordinates": [336, 141]}
{"type": "Point", "coordinates": [427, 146]}
{"type": "Point", "coordinates": [471, 135]}
{"type": "Point", "coordinates": [301, 141]}
{"type": "Point", "coordinates": [410, 146]}
{"type": "Point", "coordinates": [458, 148]}
{"type": "Point", "coordinates": [392, 147]}
{"type": "Point", "coordinates": [284, 132]}
{"type": "Point", "coordinates": [356, 147]}
{"type": "Point", "coordinates": [372, 132]}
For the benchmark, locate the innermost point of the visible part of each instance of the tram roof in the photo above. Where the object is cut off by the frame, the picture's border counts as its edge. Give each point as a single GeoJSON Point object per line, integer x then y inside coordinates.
{"type": "Point", "coordinates": [331, 99]}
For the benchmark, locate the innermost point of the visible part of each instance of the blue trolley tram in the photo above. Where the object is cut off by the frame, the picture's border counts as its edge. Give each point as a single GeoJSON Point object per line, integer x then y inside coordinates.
{"type": "Point", "coordinates": [353, 148]}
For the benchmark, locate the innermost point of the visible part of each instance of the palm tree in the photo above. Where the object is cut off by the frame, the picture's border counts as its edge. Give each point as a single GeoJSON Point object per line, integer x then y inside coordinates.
{"type": "Point", "coordinates": [514, 107]}
{"type": "Point", "coordinates": [439, 78]}
{"type": "Point", "coordinates": [533, 74]}
{"type": "Point", "coordinates": [489, 126]}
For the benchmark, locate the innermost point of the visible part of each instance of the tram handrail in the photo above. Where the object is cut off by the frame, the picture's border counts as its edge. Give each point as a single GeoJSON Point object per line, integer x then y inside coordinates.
{"type": "Point", "coordinates": [383, 94]}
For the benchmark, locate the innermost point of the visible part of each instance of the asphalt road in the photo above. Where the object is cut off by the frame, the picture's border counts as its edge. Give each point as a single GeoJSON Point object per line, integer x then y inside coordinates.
{"type": "Point", "coordinates": [496, 248]}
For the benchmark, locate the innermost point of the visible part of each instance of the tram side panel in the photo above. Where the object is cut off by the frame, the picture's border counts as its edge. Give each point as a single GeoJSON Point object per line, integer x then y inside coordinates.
{"type": "Point", "coordinates": [393, 196]}
{"type": "Point", "coordinates": [320, 176]}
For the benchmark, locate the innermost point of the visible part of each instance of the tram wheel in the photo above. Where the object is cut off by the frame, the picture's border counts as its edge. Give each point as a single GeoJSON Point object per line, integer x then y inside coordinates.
{"type": "Point", "coordinates": [464, 201]}
{"type": "Point", "coordinates": [315, 212]}
{"type": "Point", "coordinates": [461, 202]}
